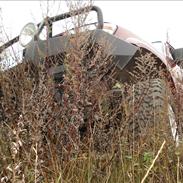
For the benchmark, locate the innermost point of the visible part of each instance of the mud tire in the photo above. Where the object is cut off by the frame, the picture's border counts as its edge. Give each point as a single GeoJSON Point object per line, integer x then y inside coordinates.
{"type": "Point", "coordinates": [149, 102]}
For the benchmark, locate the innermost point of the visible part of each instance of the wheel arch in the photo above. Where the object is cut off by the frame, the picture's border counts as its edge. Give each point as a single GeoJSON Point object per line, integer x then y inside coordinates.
{"type": "Point", "coordinates": [162, 66]}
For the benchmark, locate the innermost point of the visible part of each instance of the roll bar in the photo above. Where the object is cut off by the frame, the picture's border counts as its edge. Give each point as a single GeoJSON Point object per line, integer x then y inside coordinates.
{"type": "Point", "coordinates": [50, 21]}
{"type": "Point", "coordinates": [81, 11]}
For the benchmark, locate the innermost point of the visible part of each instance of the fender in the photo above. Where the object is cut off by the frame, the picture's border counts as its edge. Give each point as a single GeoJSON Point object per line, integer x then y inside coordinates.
{"type": "Point", "coordinates": [173, 72]}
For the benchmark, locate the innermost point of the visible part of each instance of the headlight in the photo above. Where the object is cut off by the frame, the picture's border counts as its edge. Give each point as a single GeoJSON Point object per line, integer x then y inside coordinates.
{"type": "Point", "coordinates": [27, 34]}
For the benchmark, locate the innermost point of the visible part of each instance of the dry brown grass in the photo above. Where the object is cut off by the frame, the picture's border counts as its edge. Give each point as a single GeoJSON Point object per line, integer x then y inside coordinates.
{"type": "Point", "coordinates": [85, 138]}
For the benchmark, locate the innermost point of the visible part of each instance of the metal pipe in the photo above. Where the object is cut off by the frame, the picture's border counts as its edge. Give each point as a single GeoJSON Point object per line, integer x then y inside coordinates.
{"type": "Point", "coordinates": [61, 17]}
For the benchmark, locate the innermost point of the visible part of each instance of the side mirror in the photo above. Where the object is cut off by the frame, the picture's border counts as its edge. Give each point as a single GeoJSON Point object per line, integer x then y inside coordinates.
{"type": "Point", "coordinates": [27, 34]}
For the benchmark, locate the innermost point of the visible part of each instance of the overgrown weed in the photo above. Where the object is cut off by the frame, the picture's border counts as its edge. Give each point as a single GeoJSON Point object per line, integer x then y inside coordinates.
{"type": "Point", "coordinates": [85, 137]}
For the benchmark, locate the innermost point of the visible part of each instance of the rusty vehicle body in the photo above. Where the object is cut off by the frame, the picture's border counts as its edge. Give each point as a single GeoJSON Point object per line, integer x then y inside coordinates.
{"type": "Point", "coordinates": [127, 47]}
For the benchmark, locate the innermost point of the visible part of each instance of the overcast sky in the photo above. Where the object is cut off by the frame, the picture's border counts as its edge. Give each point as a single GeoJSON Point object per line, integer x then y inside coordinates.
{"type": "Point", "coordinates": [149, 19]}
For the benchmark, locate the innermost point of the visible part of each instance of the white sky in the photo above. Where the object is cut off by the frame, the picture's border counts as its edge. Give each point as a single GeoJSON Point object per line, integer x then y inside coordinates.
{"type": "Point", "coordinates": [148, 19]}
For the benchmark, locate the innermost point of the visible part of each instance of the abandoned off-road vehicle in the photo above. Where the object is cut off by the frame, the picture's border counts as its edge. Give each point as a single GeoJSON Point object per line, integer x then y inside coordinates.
{"type": "Point", "coordinates": [126, 47]}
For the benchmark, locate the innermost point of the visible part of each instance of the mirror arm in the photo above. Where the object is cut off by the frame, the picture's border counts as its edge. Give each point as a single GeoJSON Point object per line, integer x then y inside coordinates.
{"type": "Point", "coordinates": [40, 28]}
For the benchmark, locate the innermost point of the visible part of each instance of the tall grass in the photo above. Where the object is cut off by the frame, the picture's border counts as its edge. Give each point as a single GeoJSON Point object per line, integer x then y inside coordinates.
{"type": "Point", "coordinates": [83, 135]}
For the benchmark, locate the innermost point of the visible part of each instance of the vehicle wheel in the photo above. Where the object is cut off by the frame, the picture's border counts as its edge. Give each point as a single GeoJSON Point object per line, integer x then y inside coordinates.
{"type": "Point", "coordinates": [151, 111]}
